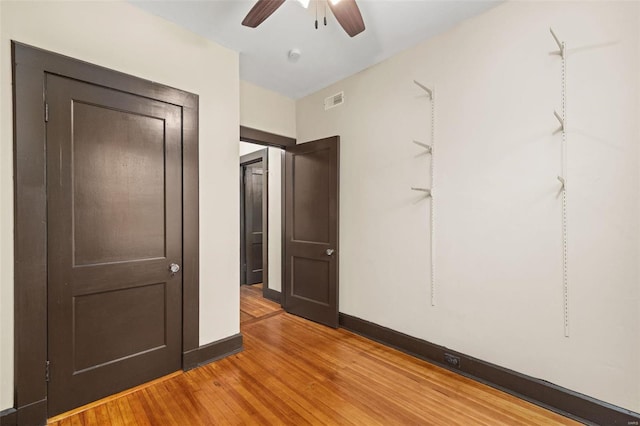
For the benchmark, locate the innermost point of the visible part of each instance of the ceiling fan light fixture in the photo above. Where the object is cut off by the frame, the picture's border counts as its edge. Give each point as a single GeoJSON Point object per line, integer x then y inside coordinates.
{"type": "Point", "coordinates": [346, 12]}
{"type": "Point", "coordinates": [304, 3]}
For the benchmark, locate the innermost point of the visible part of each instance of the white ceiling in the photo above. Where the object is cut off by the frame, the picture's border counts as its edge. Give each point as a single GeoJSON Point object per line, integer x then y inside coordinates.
{"type": "Point", "coordinates": [328, 54]}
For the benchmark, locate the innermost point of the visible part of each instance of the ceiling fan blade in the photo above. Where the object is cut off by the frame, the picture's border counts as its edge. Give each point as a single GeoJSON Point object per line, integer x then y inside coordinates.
{"type": "Point", "coordinates": [348, 15]}
{"type": "Point", "coordinates": [261, 11]}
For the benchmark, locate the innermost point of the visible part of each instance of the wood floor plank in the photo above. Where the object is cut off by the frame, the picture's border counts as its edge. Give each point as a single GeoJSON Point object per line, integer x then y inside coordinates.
{"type": "Point", "coordinates": [252, 303]}
{"type": "Point", "coordinates": [435, 395]}
{"type": "Point", "coordinates": [295, 397]}
{"type": "Point", "coordinates": [137, 410]}
{"type": "Point", "coordinates": [102, 414]}
{"type": "Point", "coordinates": [296, 372]}
{"type": "Point", "coordinates": [245, 317]}
{"type": "Point", "coordinates": [114, 414]}
{"type": "Point", "coordinates": [89, 417]}
{"type": "Point", "coordinates": [126, 412]}
{"type": "Point", "coordinates": [308, 390]}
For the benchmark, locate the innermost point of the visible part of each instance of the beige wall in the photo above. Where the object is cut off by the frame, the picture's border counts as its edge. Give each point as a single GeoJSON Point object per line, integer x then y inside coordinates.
{"type": "Point", "coordinates": [274, 176]}
{"type": "Point", "coordinates": [498, 229]}
{"type": "Point", "coordinates": [119, 36]}
{"type": "Point", "coordinates": [268, 111]}
{"type": "Point", "coordinates": [247, 148]}
{"type": "Point", "coordinates": [275, 219]}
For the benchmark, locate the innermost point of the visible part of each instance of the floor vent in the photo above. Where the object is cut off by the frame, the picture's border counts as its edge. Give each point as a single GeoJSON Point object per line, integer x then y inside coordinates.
{"type": "Point", "coordinates": [334, 101]}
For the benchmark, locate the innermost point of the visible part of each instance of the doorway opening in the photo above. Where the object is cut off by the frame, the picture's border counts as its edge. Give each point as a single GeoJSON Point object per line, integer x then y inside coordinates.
{"type": "Point", "coordinates": [257, 147]}
{"type": "Point", "coordinates": [260, 222]}
{"type": "Point", "coordinates": [307, 268]}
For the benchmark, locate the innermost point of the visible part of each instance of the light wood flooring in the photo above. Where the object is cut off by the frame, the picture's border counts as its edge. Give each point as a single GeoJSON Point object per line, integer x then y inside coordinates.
{"type": "Point", "coordinates": [296, 372]}
{"type": "Point", "coordinates": [253, 306]}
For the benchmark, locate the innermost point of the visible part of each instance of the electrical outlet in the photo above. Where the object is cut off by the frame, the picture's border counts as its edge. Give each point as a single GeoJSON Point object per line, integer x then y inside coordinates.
{"type": "Point", "coordinates": [452, 360]}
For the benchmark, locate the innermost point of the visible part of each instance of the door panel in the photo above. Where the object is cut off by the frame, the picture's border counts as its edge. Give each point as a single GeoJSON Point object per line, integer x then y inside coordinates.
{"type": "Point", "coordinates": [133, 330]}
{"type": "Point", "coordinates": [310, 285]}
{"type": "Point", "coordinates": [305, 271]}
{"type": "Point", "coordinates": [253, 180]}
{"type": "Point", "coordinates": [118, 184]}
{"type": "Point", "coordinates": [114, 226]}
{"type": "Point", "coordinates": [310, 195]}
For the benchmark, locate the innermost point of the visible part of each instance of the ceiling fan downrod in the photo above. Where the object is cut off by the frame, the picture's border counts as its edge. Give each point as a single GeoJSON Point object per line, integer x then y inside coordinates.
{"type": "Point", "coordinates": [325, 14]}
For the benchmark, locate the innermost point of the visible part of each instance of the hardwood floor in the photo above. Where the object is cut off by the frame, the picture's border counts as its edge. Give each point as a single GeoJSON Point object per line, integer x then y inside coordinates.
{"type": "Point", "coordinates": [296, 372]}
{"type": "Point", "coordinates": [253, 306]}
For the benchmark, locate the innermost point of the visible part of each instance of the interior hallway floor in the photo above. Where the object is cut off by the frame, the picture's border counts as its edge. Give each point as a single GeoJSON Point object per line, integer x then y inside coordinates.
{"type": "Point", "coordinates": [253, 306]}
{"type": "Point", "coordinates": [293, 371]}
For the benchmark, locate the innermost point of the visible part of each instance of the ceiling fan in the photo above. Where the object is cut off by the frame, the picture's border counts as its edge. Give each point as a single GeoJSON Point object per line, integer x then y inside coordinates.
{"type": "Point", "coordinates": [346, 12]}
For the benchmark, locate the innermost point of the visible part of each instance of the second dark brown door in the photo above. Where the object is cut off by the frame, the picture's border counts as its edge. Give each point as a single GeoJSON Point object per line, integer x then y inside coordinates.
{"type": "Point", "coordinates": [310, 287]}
{"type": "Point", "coordinates": [114, 232]}
{"type": "Point", "coordinates": [253, 223]}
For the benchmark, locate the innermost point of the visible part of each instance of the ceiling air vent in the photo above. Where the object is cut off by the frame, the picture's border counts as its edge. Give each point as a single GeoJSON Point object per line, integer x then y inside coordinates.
{"type": "Point", "coordinates": [334, 101]}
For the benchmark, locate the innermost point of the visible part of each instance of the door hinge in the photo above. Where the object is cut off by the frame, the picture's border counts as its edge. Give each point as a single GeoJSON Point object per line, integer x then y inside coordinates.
{"type": "Point", "coordinates": [46, 371]}
{"type": "Point", "coordinates": [46, 112]}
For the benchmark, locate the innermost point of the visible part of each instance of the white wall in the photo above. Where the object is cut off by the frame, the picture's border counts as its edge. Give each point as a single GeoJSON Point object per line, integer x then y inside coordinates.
{"type": "Point", "coordinates": [247, 148]}
{"type": "Point", "coordinates": [275, 219]}
{"type": "Point", "coordinates": [498, 229]}
{"type": "Point", "coordinates": [268, 111]}
{"type": "Point", "coordinates": [122, 37]}
{"type": "Point", "coordinates": [274, 179]}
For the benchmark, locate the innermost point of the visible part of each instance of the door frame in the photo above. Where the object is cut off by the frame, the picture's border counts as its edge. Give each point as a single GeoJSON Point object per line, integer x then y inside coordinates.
{"type": "Point", "coordinates": [29, 67]}
{"type": "Point", "coordinates": [252, 158]}
{"type": "Point", "coordinates": [260, 137]}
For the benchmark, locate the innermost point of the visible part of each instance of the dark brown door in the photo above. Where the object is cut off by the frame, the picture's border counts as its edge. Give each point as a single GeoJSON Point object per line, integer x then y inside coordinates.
{"type": "Point", "coordinates": [311, 231]}
{"type": "Point", "coordinates": [114, 229]}
{"type": "Point", "coordinates": [253, 176]}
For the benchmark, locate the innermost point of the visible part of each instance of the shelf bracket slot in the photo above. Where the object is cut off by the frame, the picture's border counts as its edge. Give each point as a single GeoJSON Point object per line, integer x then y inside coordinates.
{"type": "Point", "coordinates": [559, 43]}
{"type": "Point", "coordinates": [424, 145]}
{"type": "Point", "coordinates": [425, 88]}
{"type": "Point", "coordinates": [562, 181]}
{"type": "Point", "coordinates": [560, 120]}
{"type": "Point", "coordinates": [427, 191]}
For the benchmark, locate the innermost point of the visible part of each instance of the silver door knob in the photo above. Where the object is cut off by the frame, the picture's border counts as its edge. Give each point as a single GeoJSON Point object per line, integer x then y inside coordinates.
{"type": "Point", "coordinates": [330, 252]}
{"type": "Point", "coordinates": [174, 268]}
